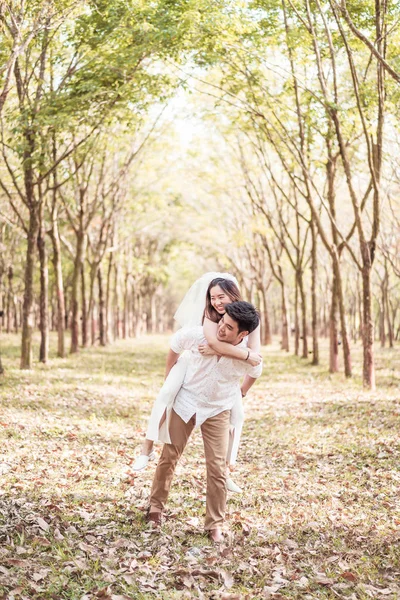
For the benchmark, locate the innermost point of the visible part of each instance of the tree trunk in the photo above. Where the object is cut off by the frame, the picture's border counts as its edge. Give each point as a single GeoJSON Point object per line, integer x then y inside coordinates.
{"type": "Point", "coordinates": [303, 304]}
{"type": "Point", "coordinates": [368, 328]}
{"type": "Point", "coordinates": [387, 306]}
{"type": "Point", "coordinates": [389, 323]}
{"type": "Point", "coordinates": [93, 323]}
{"type": "Point", "coordinates": [266, 337]}
{"type": "Point", "coordinates": [108, 309]}
{"type": "Point", "coordinates": [285, 320]}
{"type": "Point", "coordinates": [84, 316]}
{"type": "Point", "coordinates": [28, 304]}
{"type": "Point", "coordinates": [333, 330]}
{"type": "Point", "coordinates": [296, 318]}
{"type": "Point", "coordinates": [75, 292]}
{"type": "Point", "coordinates": [10, 294]}
{"type": "Point", "coordinates": [59, 285]}
{"type": "Point", "coordinates": [342, 313]}
{"type": "Point", "coordinates": [382, 316]}
{"type": "Point", "coordinates": [44, 290]}
{"type": "Point", "coordinates": [314, 308]}
{"type": "Point", "coordinates": [102, 332]}
{"type": "Point", "coordinates": [90, 316]}
{"type": "Point", "coordinates": [360, 313]}
{"type": "Point", "coordinates": [125, 323]}
{"type": "Point", "coordinates": [117, 325]}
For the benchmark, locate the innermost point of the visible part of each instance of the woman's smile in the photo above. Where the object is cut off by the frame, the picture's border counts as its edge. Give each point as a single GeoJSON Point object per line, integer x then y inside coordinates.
{"type": "Point", "coordinates": [219, 299]}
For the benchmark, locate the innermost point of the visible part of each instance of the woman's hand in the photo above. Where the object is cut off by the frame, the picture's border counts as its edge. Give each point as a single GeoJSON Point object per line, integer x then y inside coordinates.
{"type": "Point", "coordinates": [254, 359]}
{"type": "Point", "coordinates": [206, 350]}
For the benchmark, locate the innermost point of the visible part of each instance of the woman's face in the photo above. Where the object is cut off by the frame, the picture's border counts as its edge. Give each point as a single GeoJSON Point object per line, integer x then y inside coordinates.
{"type": "Point", "coordinates": [219, 299]}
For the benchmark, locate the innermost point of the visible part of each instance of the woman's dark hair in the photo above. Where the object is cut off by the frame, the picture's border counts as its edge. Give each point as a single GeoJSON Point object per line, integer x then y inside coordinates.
{"type": "Point", "coordinates": [245, 315]}
{"type": "Point", "coordinates": [230, 290]}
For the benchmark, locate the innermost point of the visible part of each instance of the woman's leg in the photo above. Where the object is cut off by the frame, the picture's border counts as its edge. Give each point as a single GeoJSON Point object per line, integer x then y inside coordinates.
{"type": "Point", "coordinates": [235, 432]}
{"type": "Point", "coordinates": [148, 445]}
{"type": "Point", "coordinates": [163, 402]}
{"type": "Point", "coordinates": [146, 451]}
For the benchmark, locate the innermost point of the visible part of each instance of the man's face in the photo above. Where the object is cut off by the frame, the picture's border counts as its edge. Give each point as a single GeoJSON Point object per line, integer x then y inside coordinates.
{"type": "Point", "coordinates": [228, 331]}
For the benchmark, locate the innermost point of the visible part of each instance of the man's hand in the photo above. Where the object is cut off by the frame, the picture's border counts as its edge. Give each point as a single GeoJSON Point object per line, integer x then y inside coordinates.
{"type": "Point", "coordinates": [206, 350]}
{"type": "Point", "coordinates": [254, 359]}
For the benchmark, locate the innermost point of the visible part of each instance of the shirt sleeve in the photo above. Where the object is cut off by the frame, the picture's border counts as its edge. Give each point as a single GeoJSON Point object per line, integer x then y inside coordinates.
{"type": "Point", "coordinates": [255, 372]}
{"type": "Point", "coordinates": [184, 339]}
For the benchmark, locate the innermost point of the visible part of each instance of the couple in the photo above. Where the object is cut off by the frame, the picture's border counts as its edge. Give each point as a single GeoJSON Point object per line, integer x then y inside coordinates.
{"type": "Point", "coordinates": [203, 389]}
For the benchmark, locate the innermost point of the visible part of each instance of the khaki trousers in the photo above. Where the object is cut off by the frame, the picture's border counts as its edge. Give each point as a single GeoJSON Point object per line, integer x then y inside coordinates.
{"type": "Point", "coordinates": [215, 433]}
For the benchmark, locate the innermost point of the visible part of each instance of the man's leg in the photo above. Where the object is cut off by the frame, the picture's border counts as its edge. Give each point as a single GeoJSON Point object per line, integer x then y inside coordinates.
{"type": "Point", "coordinates": [215, 432]}
{"type": "Point", "coordinates": [179, 432]}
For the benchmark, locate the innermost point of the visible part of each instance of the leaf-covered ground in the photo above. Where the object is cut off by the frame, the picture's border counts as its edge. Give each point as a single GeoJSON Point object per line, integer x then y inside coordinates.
{"type": "Point", "coordinates": [319, 464]}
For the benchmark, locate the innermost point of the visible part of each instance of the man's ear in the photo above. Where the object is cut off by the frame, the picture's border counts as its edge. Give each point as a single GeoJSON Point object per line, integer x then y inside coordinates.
{"type": "Point", "coordinates": [243, 334]}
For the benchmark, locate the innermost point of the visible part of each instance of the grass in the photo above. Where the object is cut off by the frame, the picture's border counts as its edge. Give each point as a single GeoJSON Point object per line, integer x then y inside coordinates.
{"type": "Point", "coordinates": [319, 463]}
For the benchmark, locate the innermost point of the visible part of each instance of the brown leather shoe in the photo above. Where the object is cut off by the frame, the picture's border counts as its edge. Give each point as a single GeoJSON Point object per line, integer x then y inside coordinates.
{"type": "Point", "coordinates": [154, 517]}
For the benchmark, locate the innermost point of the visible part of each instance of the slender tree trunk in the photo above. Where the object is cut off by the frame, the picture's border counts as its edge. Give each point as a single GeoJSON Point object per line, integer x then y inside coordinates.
{"type": "Point", "coordinates": [85, 316]}
{"type": "Point", "coordinates": [117, 324]}
{"type": "Point", "coordinates": [303, 303]}
{"type": "Point", "coordinates": [314, 308]}
{"type": "Point", "coordinates": [360, 313]}
{"type": "Point", "coordinates": [10, 294]}
{"type": "Point", "coordinates": [59, 285]}
{"type": "Point", "coordinates": [389, 322]}
{"type": "Point", "coordinates": [57, 265]}
{"type": "Point", "coordinates": [368, 329]}
{"type": "Point", "coordinates": [382, 316]}
{"type": "Point", "coordinates": [90, 316]}
{"type": "Point", "coordinates": [75, 293]}
{"type": "Point", "coordinates": [343, 325]}
{"type": "Point", "coordinates": [102, 331]}
{"type": "Point", "coordinates": [296, 318]}
{"type": "Point", "coordinates": [17, 315]}
{"type": "Point", "coordinates": [324, 319]}
{"type": "Point", "coordinates": [93, 323]}
{"type": "Point", "coordinates": [44, 290]}
{"type": "Point", "coordinates": [333, 330]}
{"type": "Point", "coordinates": [285, 320]}
{"type": "Point", "coordinates": [387, 306]}
{"type": "Point", "coordinates": [266, 337]}
{"type": "Point", "coordinates": [125, 323]}
{"type": "Point", "coordinates": [28, 304]}
{"type": "Point", "coordinates": [108, 309]}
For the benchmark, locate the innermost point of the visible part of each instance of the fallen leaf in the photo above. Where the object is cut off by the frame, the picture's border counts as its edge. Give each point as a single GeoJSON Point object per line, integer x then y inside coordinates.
{"type": "Point", "coordinates": [227, 579]}
{"type": "Point", "coordinates": [349, 576]}
{"type": "Point", "coordinates": [43, 524]}
{"type": "Point", "coordinates": [323, 580]}
{"type": "Point", "coordinates": [42, 574]}
{"type": "Point", "coordinates": [16, 562]}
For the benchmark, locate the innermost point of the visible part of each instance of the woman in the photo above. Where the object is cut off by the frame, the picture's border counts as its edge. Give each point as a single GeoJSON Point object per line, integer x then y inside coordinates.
{"type": "Point", "coordinates": [207, 308]}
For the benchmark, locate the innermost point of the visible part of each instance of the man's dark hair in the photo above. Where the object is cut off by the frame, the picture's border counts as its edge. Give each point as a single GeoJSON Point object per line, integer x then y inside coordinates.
{"type": "Point", "coordinates": [245, 314]}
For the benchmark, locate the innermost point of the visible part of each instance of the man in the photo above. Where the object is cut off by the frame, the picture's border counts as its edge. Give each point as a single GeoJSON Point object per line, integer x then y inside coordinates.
{"type": "Point", "coordinates": [207, 395]}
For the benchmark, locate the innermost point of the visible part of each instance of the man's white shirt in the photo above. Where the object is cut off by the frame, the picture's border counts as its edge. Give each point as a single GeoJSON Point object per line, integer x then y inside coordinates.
{"type": "Point", "coordinates": [211, 384]}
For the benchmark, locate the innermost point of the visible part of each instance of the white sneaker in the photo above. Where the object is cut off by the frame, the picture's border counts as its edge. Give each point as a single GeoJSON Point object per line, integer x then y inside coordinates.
{"type": "Point", "coordinates": [232, 487]}
{"type": "Point", "coordinates": [142, 461]}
